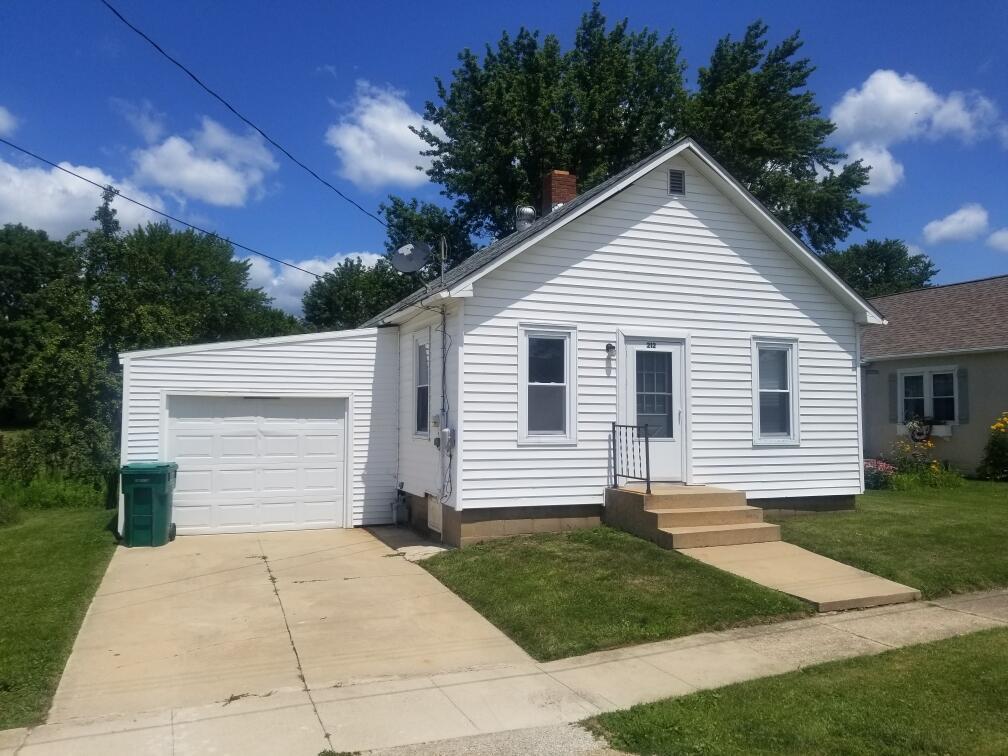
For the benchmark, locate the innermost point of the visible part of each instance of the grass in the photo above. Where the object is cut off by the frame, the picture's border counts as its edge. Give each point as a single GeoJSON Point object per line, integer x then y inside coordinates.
{"type": "Point", "coordinates": [940, 541]}
{"type": "Point", "coordinates": [51, 564]}
{"type": "Point", "coordinates": [560, 595]}
{"type": "Point", "coordinates": [946, 697]}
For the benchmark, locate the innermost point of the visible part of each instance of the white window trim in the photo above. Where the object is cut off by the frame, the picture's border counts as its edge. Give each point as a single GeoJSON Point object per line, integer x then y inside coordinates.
{"type": "Point", "coordinates": [927, 372]}
{"type": "Point", "coordinates": [570, 374]}
{"type": "Point", "coordinates": [421, 337]}
{"type": "Point", "coordinates": [791, 345]}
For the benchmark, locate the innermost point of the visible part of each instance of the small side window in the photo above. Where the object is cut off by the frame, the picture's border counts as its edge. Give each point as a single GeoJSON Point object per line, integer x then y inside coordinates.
{"type": "Point", "coordinates": [546, 385]}
{"type": "Point", "coordinates": [775, 392]}
{"type": "Point", "coordinates": [422, 387]}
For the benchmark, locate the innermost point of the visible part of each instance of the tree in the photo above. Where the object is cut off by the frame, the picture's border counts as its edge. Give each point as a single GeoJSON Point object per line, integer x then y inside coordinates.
{"type": "Point", "coordinates": [148, 288]}
{"type": "Point", "coordinates": [353, 292]}
{"type": "Point", "coordinates": [424, 221]}
{"type": "Point", "coordinates": [617, 96]}
{"type": "Point", "coordinates": [503, 123]}
{"type": "Point", "coordinates": [29, 261]}
{"type": "Point", "coordinates": [877, 268]}
{"type": "Point", "coordinates": [753, 112]}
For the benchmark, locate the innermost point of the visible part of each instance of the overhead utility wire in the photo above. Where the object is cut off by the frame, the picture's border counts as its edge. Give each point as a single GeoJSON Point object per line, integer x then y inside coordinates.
{"type": "Point", "coordinates": [155, 210]}
{"type": "Point", "coordinates": [230, 107]}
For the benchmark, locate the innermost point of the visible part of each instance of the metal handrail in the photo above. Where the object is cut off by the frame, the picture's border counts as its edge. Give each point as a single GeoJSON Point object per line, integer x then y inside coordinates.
{"type": "Point", "coordinates": [631, 454]}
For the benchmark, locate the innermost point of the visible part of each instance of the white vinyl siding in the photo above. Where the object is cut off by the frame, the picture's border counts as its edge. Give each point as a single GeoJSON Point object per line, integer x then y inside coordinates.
{"type": "Point", "coordinates": [362, 363]}
{"type": "Point", "coordinates": [421, 468]}
{"type": "Point", "coordinates": [693, 264]}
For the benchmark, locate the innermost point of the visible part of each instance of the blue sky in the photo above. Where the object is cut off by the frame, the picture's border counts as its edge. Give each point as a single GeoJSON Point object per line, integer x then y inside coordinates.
{"type": "Point", "coordinates": [921, 93]}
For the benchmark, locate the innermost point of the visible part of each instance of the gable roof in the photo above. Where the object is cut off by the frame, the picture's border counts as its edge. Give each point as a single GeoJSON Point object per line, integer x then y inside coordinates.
{"type": "Point", "coordinates": [960, 317]}
{"type": "Point", "coordinates": [460, 278]}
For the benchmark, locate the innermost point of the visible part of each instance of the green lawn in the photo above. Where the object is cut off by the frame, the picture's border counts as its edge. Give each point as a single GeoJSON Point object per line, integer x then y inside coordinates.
{"type": "Point", "coordinates": [50, 566]}
{"type": "Point", "coordinates": [940, 698]}
{"type": "Point", "coordinates": [940, 541]}
{"type": "Point", "coordinates": [565, 594]}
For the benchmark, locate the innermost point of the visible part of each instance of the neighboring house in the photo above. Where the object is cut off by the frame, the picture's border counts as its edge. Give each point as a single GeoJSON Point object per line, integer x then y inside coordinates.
{"type": "Point", "coordinates": [666, 295]}
{"type": "Point", "coordinates": [943, 357]}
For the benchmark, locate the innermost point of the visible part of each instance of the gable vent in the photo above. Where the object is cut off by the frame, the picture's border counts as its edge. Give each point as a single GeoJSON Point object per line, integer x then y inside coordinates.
{"type": "Point", "coordinates": [676, 181]}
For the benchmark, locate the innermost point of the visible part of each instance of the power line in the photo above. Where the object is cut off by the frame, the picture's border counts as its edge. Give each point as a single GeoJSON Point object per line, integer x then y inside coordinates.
{"type": "Point", "coordinates": [230, 107]}
{"type": "Point", "coordinates": [155, 210]}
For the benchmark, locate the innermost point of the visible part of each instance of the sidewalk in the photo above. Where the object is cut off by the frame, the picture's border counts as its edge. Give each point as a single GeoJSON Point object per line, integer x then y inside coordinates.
{"type": "Point", "coordinates": [388, 713]}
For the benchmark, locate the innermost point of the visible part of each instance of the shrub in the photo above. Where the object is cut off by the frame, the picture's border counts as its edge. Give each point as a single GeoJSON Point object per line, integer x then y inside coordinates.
{"type": "Point", "coordinates": [910, 456]}
{"type": "Point", "coordinates": [878, 474]}
{"type": "Point", "coordinates": [9, 511]}
{"type": "Point", "coordinates": [995, 458]}
{"type": "Point", "coordinates": [50, 492]}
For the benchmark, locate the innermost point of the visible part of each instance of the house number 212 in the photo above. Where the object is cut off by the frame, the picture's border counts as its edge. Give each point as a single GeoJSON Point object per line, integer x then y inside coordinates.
{"type": "Point", "coordinates": [652, 344]}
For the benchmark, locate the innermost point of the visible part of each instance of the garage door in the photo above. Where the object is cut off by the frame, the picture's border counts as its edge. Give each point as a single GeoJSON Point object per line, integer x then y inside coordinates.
{"type": "Point", "coordinates": [253, 464]}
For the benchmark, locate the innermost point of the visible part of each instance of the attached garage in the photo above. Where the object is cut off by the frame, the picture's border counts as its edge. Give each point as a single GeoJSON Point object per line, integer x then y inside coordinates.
{"type": "Point", "coordinates": [254, 463]}
{"type": "Point", "coordinates": [288, 433]}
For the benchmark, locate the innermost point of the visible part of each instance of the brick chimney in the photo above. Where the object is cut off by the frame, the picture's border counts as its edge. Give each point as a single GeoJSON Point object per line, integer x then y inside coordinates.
{"type": "Point", "coordinates": [559, 188]}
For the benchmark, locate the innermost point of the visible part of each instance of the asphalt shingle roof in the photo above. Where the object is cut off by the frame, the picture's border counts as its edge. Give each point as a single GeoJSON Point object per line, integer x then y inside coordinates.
{"type": "Point", "coordinates": [962, 316]}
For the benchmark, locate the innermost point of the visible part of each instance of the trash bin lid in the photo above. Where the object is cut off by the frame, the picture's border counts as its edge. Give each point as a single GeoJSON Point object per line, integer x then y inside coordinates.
{"type": "Point", "coordinates": [148, 467]}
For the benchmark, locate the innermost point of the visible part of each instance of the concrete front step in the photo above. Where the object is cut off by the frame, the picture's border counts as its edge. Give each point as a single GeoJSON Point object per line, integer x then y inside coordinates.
{"type": "Point", "coordinates": [667, 496]}
{"type": "Point", "coordinates": [702, 536]}
{"type": "Point", "coordinates": [690, 516]}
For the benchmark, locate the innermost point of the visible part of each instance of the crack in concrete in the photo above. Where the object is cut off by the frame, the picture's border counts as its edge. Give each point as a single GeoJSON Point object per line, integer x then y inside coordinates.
{"type": "Point", "coordinates": [297, 656]}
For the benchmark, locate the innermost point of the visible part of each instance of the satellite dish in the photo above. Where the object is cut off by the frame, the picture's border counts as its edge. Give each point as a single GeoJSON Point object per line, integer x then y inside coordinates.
{"type": "Point", "coordinates": [410, 258]}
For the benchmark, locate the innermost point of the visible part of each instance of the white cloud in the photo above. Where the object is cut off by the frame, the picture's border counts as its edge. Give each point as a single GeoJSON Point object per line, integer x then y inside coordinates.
{"type": "Point", "coordinates": [287, 285]}
{"type": "Point", "coordinates": [966, 223]}
{"type": "Point", "coordinates": [148, 122]}
{"type": "Point", "coordinates": [217, 166]}
{"type": "Point", "coordinates": [889, 108]}
{"type": "Point", "coordinates": [374, 143]}
{"type": "Point", "coordinates": [59, 203]}
{"type": "Point", "coordinates": [886, 172]}
{"type": "Point", "coordinates": [7, 122]}
{"type": "Point", "coordinates": [999, 240]}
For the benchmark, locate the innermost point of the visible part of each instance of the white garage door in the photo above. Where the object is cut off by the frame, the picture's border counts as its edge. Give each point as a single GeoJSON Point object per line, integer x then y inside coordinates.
{"type": "Point", "coordinates": [254, 464]}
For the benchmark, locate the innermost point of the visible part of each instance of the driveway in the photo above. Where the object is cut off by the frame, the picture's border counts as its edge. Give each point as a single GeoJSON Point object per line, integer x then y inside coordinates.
{"type": "Point", "coordinates": [211, 619]}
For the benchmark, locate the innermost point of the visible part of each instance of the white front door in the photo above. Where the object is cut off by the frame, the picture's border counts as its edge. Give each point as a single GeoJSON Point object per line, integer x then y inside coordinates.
{"type": "Point", "coordinates": [654, 386]}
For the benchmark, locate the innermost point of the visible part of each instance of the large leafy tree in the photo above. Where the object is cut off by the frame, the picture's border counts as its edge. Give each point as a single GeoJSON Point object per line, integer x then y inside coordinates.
{"type": "Point", "coordinates": [615, 97]}
{"type": "Point", "coordinates": [753, 111]}
{"type": "Point", "coordinates": [150, 287]}
{"type": "Point", "coordinates": [29, 261]}
{"type": "Point", "coordinates": [353, 292]}
{"type": "Point", "coordinates": [877, 268]}
{"type": "Point", "coordinates": [528, 106]}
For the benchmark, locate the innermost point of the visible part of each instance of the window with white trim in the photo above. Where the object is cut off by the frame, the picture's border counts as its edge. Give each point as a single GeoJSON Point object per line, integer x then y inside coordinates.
{"type": "Point", "coordinates": [421, 385]}
{"type": "Point", "coordinates": [928, 393]}
{"type": "Point", "coordinates": [546, 387]}
{"type": "Point", "coordinates": [775, 391]}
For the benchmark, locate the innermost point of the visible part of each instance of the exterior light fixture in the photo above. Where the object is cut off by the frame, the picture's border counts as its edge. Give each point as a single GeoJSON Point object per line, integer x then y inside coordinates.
{"type": "Point", "coordinates": [610, 350]}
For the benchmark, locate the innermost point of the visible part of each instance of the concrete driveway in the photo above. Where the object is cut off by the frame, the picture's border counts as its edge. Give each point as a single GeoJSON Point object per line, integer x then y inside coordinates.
{"type": "Point", "coordinates": [208, 619]}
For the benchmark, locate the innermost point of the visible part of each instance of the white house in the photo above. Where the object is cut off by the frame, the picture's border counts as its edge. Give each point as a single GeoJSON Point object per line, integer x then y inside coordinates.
{"type": "Point", "coordinates": [667, 295]}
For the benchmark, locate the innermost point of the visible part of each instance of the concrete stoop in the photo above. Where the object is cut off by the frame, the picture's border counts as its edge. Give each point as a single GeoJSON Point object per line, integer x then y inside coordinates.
{"type": "Point", "coordinates": [687, 517]}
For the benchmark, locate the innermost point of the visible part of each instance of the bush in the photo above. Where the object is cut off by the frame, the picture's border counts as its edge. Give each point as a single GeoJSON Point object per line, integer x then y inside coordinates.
{"type": "Point", "coordinates": [50, 492]}
{"type": "Point", "coordinates": [910, 456]}
{"type": "Point", "coordinates": [878, 474]}
{"type": "Point", "coordinates": [995, 458]}
{"type": "Point", "coordinates": [915, 466]}
{"type": "Point", "coordinates": [9, 511]}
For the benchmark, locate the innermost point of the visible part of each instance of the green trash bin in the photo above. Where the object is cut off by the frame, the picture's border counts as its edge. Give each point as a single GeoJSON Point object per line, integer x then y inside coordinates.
{"type": "Point", "coordinates": [147, 494]}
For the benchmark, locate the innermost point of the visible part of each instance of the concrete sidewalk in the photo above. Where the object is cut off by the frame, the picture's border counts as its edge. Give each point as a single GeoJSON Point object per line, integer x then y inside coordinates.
{"type": "Point", "coordinates": [425, 709]}
{"type": "Point", "coordinates": [827, 584]}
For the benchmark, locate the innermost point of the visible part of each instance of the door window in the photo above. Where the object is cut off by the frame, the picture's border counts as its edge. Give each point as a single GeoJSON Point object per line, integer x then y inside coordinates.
{"type": "Point", "coordinates": [654, 393]}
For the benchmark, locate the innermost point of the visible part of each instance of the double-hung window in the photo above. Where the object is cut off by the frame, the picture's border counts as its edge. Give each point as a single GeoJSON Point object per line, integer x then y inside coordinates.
{"type": "Point", "coordinates": [775, 391]}
{"type": "Point", "coordinates": [421, 384]}
{"type": "Point", "coordinates": [928, 393]}
{"type": "Point", "coordinates": [546, 404]}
